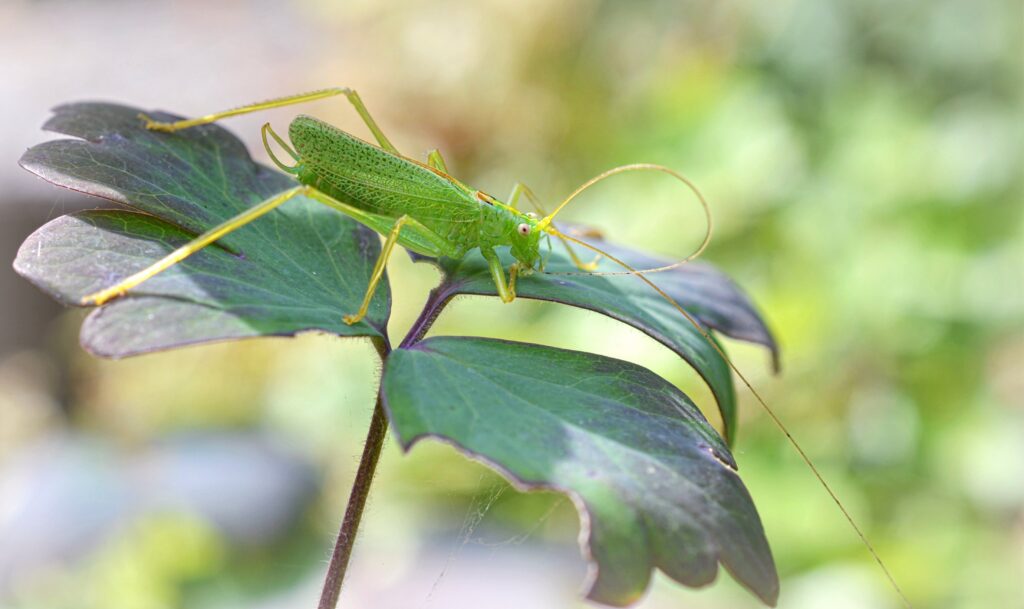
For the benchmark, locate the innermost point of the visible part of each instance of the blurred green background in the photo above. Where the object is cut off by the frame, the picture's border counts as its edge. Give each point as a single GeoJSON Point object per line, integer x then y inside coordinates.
{"type": "Point", "coordinates": [864, 163]}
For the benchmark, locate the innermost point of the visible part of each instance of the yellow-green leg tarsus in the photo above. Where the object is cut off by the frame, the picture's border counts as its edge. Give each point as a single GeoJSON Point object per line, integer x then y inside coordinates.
{"type": "Point", "coordinates": [378, 271]}
{"type": "Point", "coordinates": [513, 199]}
{"type": "Point", "coordinates": [302, 98]}
{"type": "Point", "coordinates": [506, 290]}
{"type": "Point", "coordinates": [435, 160]}
{"type": "Point", "coordinates": [193, 246]}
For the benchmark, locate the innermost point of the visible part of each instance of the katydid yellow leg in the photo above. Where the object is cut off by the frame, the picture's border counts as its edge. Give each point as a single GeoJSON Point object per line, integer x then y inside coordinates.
{"type": "Point", "coordinates": [193, 246]}
{"type": "Point", "coordinates": [521, 189]}
{"type": "Point", "coordinates": [352, 96]}
{"type": "Point", "coordinates": [506, 290]}
{"type": "Point", "coordinates": [435, 160]}
{"type": "Point", "coordinates": [433, 244]}
{"type": "Point", "coordinates": [378, 270]}
{"type": "Point", "coordinates": [266, 129]}
{"type": "Point", "coordinates": [513, 272]}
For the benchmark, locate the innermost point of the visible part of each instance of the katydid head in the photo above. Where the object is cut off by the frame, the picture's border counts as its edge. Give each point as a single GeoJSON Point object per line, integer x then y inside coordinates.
{"type": "Point", "coordinates": [526, 241]}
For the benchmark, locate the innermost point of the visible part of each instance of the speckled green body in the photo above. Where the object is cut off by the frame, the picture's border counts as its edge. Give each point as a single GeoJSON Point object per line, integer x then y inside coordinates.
{"type": "Point", "coordinates": [450, 218]}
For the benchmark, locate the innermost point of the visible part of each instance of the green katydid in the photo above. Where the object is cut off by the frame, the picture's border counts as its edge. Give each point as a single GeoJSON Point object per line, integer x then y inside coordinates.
{"type": "Point", "coordinates": [424, 209]}
{"type": "Point", "coordinates": [416, 205]}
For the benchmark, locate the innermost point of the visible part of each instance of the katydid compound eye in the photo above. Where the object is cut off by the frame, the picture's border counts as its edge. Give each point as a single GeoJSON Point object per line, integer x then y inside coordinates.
{"type": "Point", "coordinates": [524, 229]}
{"type": "Point", "coordinates": [531, 215]}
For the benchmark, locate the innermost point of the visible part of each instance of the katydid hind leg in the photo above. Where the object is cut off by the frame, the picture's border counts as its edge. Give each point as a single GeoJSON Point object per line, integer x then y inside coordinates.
{"type": "Point", "coordinates": [228, 226]}
{"type": "Point", "coordinates": [290, 100]}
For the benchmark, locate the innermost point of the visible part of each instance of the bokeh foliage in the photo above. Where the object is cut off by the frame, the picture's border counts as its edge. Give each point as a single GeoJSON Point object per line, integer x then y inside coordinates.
{"type": "Point", "coordinates": [863, 160]}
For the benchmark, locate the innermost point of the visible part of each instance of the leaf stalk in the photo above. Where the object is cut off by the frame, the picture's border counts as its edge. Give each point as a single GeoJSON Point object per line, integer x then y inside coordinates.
{"type": "Point", "coordinates": [357, 497]}
{"type": "Point", "coordinates": [375, 436]}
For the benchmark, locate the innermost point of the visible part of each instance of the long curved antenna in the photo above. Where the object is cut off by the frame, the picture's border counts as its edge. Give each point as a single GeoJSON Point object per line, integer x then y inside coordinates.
{"type": "Point", "coordinates": [757, 396]}
{"type": "Point", "coordinates": [267, 129]}
{"type": "Point", "coordinates": [546, 226]}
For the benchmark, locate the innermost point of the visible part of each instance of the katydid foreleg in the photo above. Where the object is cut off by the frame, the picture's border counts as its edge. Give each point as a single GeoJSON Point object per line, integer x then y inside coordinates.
{"type": "Point", "coordinates": [506, 290]}
{"type": "Point", "coordinates": [378, 270]}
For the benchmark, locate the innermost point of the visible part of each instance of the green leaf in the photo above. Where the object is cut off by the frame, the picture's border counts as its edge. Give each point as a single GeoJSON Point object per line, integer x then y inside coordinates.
{"type": "Point", "coordinates": [655, 485]}
{"type": "Point", "coordinates": [300, 267]}
{"type": "Point", "coordinates": [706, 293]}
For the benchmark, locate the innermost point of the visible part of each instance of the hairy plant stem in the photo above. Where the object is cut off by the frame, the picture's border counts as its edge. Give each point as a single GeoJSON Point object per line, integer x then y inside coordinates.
{"type": "Point", "coordinates": [357, 497]}
{"type": "Point", "coordinates": [371, 455]}
{"type": "Point", "coordinates": [436, 301]}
